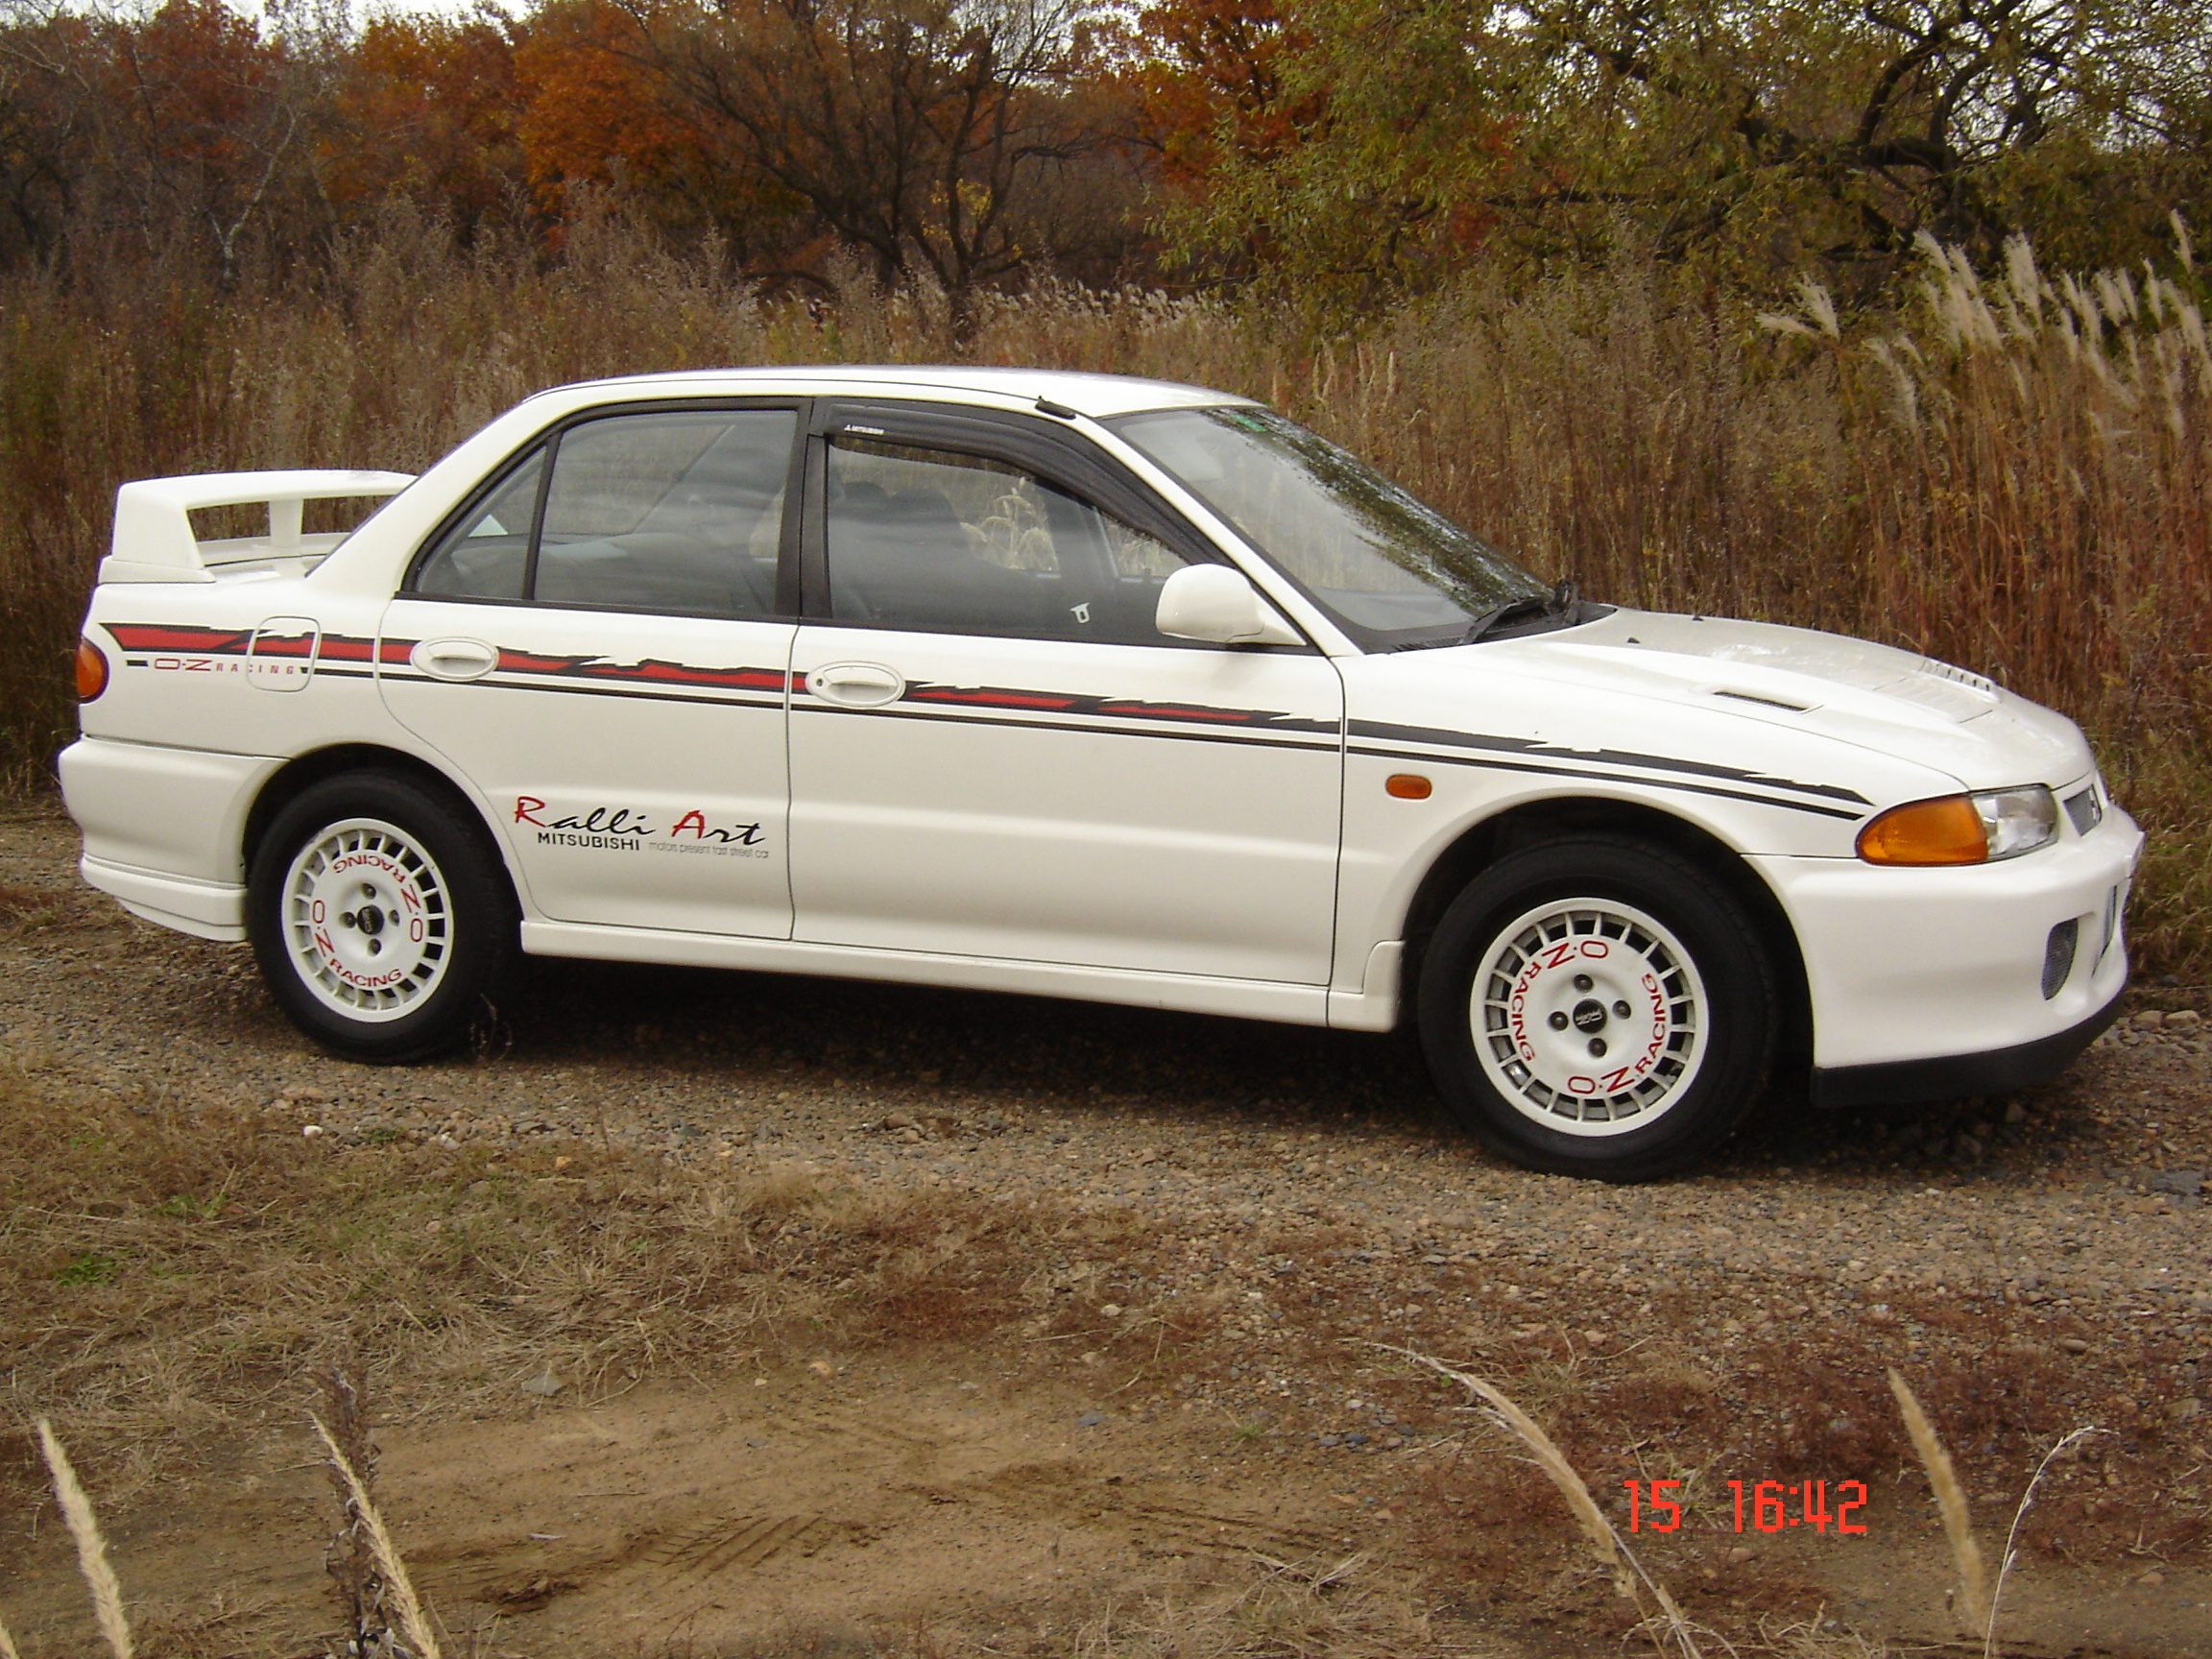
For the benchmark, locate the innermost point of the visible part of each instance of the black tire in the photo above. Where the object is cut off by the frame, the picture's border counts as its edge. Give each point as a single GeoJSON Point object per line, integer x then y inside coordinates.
{"type": "Point", "coordinates": [1597, 1007]}
{"type": "Point", "coordinates": [380, 917]}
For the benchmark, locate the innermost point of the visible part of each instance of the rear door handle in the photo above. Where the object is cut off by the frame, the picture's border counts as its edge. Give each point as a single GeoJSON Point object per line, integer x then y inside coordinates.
{"type": "Point", "coordinates": [856, 684]}
{"type": "Point", "coordinates": [454, 659]}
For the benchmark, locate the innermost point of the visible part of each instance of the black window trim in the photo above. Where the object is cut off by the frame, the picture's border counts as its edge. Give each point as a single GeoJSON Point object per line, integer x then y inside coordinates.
{"type": "Point", "coordinates": [546, 442]}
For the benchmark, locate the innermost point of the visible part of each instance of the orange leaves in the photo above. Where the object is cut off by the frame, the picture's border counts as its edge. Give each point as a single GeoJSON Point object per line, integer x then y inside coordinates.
{"type": "Point", "coordinates": [427, 108]}
{"type": "Point", "coordinates": [592, 107]}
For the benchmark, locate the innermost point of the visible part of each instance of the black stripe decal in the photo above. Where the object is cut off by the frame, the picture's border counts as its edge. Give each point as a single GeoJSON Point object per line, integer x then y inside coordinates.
{"type": "Point", "coordinates": [1186, 733]}
{"type": "Point", "coordinates": [1628, 778]}
{"type": "Point", "coordinates": [538, 684]}
{"type": "Point", "coordinates": [1520, 747]}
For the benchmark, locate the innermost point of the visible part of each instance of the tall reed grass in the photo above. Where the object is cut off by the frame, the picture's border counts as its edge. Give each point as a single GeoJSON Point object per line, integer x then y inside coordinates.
{"type": "Point", "coordinates": [2011, 470]}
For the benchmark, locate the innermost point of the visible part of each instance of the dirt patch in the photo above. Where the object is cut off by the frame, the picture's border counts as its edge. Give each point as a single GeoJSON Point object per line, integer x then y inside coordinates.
{"type": "Point", "coordinates": [713, 1314]}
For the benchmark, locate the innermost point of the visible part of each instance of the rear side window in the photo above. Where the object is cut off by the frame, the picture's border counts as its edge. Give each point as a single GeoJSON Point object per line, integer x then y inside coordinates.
{"type": "Point", "coordinates": [677, 511]}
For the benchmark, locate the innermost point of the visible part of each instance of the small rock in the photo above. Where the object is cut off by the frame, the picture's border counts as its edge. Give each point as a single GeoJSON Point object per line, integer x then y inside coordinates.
{"type": "Point", "coordinates": [2072, 1345]}
{"type": "Point", "coordinates": [2184, 1020]}
{"type": "Point", "coordinates": [2185, 1408]}
{"type": "Point", "coordinates": [2183, 1183]}
{"type": "Point", "coordinates": [2149, 1020]}
{"type": "Point", "coordinates": [1111, 1311]}
{"type": "Point", "coordinates": [2015, 1113]}
{"type": "Point", "coordinates": [311, 1131]}
{"type": "Point", "coordinates": [545, 1384]}
{"type": "Point", "coordinates": [2151, 1580]}
{"type": "Point", "coordinates": [1090, 1419]}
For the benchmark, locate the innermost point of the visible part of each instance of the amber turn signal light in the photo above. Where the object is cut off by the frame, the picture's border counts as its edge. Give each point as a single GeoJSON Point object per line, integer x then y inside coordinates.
{"type": "Point", "coordinates": [91, 671]}
{"type": "Point", "coordinates": [1407, 786]}
{"type": "Point", "coordinates": [1924, 832]}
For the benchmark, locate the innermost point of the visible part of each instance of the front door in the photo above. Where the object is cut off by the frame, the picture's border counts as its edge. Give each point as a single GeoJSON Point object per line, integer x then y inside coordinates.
{"type": "Point", "coordinates": [994, 753]}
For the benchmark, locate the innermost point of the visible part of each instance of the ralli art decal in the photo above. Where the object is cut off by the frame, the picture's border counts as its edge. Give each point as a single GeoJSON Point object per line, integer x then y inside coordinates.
{"type": "Point", "coordinates": [628, 829]}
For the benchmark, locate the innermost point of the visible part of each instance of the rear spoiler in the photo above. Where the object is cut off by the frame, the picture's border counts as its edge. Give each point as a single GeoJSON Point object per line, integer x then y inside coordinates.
{"type": "Point", "coordinates": [154, 537]}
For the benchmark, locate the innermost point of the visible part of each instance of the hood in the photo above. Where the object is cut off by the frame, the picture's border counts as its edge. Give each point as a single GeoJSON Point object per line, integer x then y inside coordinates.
{"type": "Point", "coordinates": [1895, 703]}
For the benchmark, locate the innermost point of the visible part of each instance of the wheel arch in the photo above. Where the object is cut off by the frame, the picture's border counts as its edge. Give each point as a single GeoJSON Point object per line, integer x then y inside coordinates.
{"type": "Point", "coordinates": [1532, 823]}
{"type": "Point", "coordinates": [302, 772]}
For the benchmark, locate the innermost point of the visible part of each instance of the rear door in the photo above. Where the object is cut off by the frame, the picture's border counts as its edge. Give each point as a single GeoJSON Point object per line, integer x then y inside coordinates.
{"type": "Point", "coordinates": [994, 752]}
{"type": "Point", "coordinates": [599, 641]}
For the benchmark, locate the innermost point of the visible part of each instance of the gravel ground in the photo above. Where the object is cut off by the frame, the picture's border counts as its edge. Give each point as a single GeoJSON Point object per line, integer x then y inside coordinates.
{"type": "Point", "coordinates": [2064, 1229]}
{"type": "Point", "coordinates": [2085, 1197]}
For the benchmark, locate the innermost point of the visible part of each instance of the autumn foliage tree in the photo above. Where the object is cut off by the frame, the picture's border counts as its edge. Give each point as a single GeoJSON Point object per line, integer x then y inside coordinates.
{"type": "Point", "coordinates": [935, 137]}
{"type": "Point", "coordinates": [429, 108]}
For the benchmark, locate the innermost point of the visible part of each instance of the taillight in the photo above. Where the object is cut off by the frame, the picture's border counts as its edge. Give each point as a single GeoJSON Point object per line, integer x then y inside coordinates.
{"type": "Point", "coordinates": [91, 671]}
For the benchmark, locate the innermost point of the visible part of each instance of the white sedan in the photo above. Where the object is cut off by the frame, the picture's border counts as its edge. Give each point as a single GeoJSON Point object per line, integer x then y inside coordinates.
{"type": "Point", "coordinates": [1088, 686]}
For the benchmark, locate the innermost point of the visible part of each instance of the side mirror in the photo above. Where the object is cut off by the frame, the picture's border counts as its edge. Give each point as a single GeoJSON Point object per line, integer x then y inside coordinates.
{"type": "Point", "coordinates": [1219, 606]}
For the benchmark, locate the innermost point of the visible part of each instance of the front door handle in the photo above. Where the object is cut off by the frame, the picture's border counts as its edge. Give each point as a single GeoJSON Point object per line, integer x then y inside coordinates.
{"type": "Point", "coordinates": [454, 659]}
{"type": "Point", "coordinates": [856, 684]}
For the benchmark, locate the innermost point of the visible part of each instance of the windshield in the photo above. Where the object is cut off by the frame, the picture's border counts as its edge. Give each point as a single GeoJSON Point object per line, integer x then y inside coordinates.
{"type": "Point", "coordinates": [1389, 570]}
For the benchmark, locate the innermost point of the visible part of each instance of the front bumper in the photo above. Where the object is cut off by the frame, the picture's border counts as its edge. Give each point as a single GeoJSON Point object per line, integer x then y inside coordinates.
{"type": "Point", "coordinates": [1956, 1076]}
{"type": "Point", "coordinates": [1928, 983]}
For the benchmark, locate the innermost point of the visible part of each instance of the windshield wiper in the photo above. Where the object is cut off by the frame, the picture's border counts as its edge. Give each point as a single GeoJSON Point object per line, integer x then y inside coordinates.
{"type": "Point", "coordinates": [1560, 601]}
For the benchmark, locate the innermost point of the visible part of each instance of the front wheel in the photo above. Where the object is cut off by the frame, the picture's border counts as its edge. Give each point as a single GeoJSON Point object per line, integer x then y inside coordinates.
{"type": "Point", "coordinates": [1597, 1007]}
{"type": "Point", "coordinates": [379, 918]}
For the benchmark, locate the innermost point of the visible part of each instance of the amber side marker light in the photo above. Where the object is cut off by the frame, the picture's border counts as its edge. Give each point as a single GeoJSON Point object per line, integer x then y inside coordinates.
{"type": "Point", "coordinates": [1407, 786]}
{"type": "Point", "coordinates": [1925, 832]}
{"type": "Point", "coordinates": [91, 671]}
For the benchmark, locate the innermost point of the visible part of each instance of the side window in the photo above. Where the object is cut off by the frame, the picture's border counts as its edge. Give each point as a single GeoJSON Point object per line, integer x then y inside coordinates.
{"type": "Point", "coordinates": [677, 511]}
{"type": "Point", "coordinates": [936, 540]}
{"type": "Point", "coordinates": [486, 556]}
{"type": "Point", "coordinates": [667, 512]}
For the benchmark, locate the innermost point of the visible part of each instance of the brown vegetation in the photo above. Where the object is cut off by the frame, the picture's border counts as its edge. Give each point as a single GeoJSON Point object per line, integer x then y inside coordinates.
{"type": "Point", "coordinates": [2013, 472]}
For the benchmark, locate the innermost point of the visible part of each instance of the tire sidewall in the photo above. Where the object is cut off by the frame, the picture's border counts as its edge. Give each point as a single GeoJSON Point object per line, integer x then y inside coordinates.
{"type": "Point", "coordinates": [479, 905]}
{"type": "Point", "coordinates": [1740, 1016]}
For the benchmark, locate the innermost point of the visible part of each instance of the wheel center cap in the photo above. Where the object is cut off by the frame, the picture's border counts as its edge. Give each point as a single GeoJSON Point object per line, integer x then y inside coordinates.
{"type": "Point", "coordinates": [1589, 1015]}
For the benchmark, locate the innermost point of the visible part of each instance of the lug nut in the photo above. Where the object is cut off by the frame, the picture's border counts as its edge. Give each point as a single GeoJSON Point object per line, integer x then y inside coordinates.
{"type": "Point", "coordinates": [1622, 1009]}
{"type": "Point", "coordinates": [1558, 1021]}
{"type": "Point", "coordinates": [1597, 1046]}
{"type": "Point", "coordinates": [1583, 982]}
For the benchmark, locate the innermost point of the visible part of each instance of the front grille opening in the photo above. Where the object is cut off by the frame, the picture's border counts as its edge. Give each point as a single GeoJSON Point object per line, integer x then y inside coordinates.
{"type": "Point", "coordinates": [2058, 955]}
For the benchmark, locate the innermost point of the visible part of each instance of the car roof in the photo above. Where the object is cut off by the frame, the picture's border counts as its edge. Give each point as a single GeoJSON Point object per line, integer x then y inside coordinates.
{"type": "Point", "coordinates": [1097, 395]}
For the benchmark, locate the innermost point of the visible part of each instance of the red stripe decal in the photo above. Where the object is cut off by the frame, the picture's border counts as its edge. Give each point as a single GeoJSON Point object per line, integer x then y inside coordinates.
{"type": "Point", "coordinates": [998, 699]}
{"type": "Point", "coordinates": [206, 641]}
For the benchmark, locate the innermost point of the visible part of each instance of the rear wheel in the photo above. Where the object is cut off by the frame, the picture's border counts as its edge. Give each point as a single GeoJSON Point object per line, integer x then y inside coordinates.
{"type": "Point", "coordinates": [379, 917]}
{"type": "Point", "coordinates": [1597, 1007]}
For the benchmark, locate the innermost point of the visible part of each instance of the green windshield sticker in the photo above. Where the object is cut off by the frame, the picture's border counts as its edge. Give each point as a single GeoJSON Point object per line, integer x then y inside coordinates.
{"type": "Point", "coordinates": [1250, 422]}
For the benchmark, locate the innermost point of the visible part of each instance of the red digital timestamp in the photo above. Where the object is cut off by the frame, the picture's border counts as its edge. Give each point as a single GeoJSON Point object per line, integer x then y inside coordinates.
{"type": "Point", "coordinates": [1770, 1505]}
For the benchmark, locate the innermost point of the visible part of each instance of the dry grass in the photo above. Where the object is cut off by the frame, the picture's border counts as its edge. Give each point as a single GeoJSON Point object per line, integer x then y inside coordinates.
{"type": "Point", "coordinates": [163, 1268]}
{"type": "Point", "coordinates": [91, 1548]}
{"type": "Point", "coordinates": [406, 1605]}
{"type": "Point", "coordinates": [1666, 1626]}
{"type": "Point", "coordinates": [1973, 1603]}
{"type": "Point", "coordinates": [1977, 1603]}
{"type": "Point", "coordinates": [2010, 471]}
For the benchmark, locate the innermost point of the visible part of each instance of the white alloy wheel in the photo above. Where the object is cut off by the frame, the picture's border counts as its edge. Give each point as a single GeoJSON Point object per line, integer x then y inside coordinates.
{"type": "Point", "coordinates": [1588, 1016]}
{"type": "Point", "coordinates": [368, 920]}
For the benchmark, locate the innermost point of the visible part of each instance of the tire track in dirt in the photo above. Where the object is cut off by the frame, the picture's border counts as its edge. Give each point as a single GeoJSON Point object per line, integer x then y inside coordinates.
{"type": "Point", "coordinates": [792, 1509]}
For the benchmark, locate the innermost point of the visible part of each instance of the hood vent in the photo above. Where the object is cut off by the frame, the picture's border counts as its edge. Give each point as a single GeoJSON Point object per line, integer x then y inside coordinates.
{"type": "Point", "coordinates": [1780, 703]}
